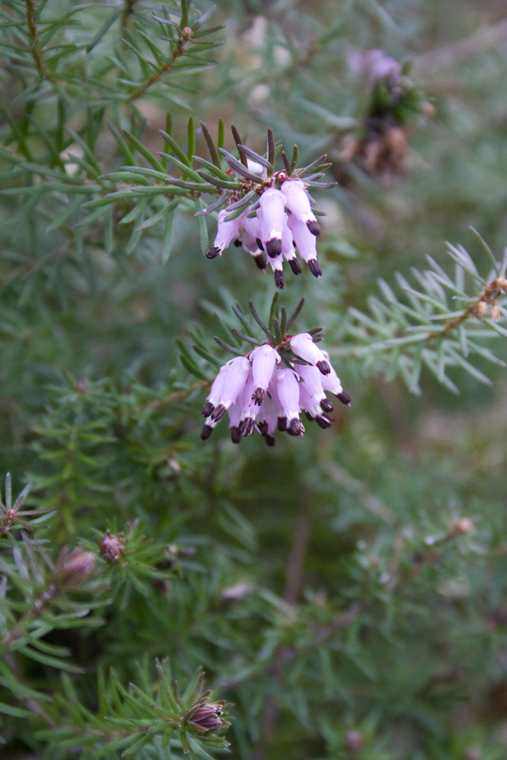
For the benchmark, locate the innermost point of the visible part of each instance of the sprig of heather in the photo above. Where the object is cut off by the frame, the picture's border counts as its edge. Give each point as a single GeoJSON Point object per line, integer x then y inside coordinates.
{"type": "Point", "coordinates": [269, 387]}
{"type": "Point", "coordinates": [272, 213]}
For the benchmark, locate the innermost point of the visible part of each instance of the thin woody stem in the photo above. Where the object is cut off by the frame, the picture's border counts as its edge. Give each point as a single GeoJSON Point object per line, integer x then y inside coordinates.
{"type": "Point", "coordinates": [487, 297]}
{"type": "Point", "coordinates": [177, 52]}
{"type": "Point", "coordinates": [42, 67]}
{"type": "Point", "coordinates": [452, 324]}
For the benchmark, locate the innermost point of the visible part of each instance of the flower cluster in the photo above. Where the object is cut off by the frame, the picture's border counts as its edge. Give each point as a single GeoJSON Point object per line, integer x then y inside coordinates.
{"type": "Point", "coordinates": [259, 393]}
{"type": "Point", "coordinates": [278, 222]}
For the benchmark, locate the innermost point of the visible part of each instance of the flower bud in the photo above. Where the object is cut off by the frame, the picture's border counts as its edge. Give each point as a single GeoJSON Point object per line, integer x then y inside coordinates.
{"type": "Point", "coordinates": [73, 568]}
{"type": "Point", "coordinates": [207, 718]}
{"type": "Point", "coordinates": [112, 547]}
{"type": "Point", "coordinates": [463, 525]}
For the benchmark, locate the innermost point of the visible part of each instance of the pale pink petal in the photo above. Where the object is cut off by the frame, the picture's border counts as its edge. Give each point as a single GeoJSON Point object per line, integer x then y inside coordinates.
{"type": "Point", "coordinates": [235, 376]}
{"type": "Point", "coordinates": [288, 248]}
{"type": "Point", "coordinates": [287, 388]}
{"type": "Point", "coordinates": [264, 362]}
{"type": "Point", "coordinates": [215, 393]}
{"type": "Point", "coordinates": [306, 244]}
{"type": "Point", "coordinates": [234, 412]}
{"type": "Point", "coordinates": [227, 231]}
{"type": "Point", "coordinates": [271, 214]}
{"type": "Point", "coordinates": [331, 383]}
{"type": "Point", "coordinates": [304, 347]}
{"type": "Point", "coordinates": [312, 387]}
{"type": "Point", "coordinates": [249, 411]}
{"type": "Point", "coordinates": [267, 419]}
{"type": "Point", "coordinates": [250, 224]}
{"type": "Point", "coordinates": [298, 203]}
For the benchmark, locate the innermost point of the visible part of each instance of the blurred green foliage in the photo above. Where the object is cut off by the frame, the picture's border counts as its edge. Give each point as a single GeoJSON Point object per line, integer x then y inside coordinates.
{"type": "Point", "coordinates": [345, 593]}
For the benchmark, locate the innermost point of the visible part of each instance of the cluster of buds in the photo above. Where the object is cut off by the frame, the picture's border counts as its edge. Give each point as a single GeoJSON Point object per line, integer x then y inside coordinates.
{"type": "Point", "coordinates": [271, 214]}
{"type": "Point", "coordinates": [270, 386]}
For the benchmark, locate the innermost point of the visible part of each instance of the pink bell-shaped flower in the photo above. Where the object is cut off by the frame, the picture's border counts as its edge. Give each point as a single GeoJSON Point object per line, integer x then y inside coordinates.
{"type": "Point", "coordinates": [249, 236]}
{"type": "Point", "coordinates": [298, 203]}
{"type": "Point", "coordinates": [234, 376]}
{"type": "Point", "coordinates": [305, 242]}
{"type": "Point", "coordinates": [312, 386]}
{"type": "Point", "coordinates": [331, 382]}
{"type": "Point", "coordinates": [304, 347]}
{"type": "Point", "coordinates": [234, 412]}
{"type": "Point", "coordinates": [268, 416]}
{"type": "Point", "coordinates": [289, 250]}
{"type": "Point", "coordinates": [264, 359]}
{"type": "Point", "coordinates": [287, 388]}
{"type": "Point", "coordinates": [249, 410]}
{"type": "Point", "coordinates": [316, 409]}
{"type": "Point", "coordinates": [215, 393]}
{"type": "Point", "coordinates": [271, 214]}
{"type": "Point", "coordinates": [227, 231]}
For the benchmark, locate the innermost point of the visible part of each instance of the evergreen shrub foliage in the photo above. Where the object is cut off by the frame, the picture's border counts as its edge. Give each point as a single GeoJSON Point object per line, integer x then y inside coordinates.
{"type": "Point", "coordinates": [343, 594]}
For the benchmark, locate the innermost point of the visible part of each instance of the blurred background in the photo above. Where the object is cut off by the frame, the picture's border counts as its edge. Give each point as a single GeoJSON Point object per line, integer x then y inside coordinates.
{"type": "Point", "coordinates": [347, 591]}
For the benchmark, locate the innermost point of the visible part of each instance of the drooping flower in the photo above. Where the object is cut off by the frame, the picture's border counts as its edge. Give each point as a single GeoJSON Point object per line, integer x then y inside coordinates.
{"type": "Point", "coordinates": [264, 360]}
{"type": "Point", "coordinates": [298, 203]}
{"type": "Point", "coordinates": [261, 394]}
{"type": "Point", "coordinates": [331, 382]}
{"type": "Point", "coordinates": [271, 216]}
{"type": "Point", "coordinates": [227, 231]}
{"type": "Point", "coordinates": [228, 384]}
{"type": "Point", "coordinates": [306, 245]}
{"type": "Point", "coordinates": [304, 347]}
{"type": "Point", "coordinates": [313, 398]}
{"type": "Point", "coordinates": [287, 388]}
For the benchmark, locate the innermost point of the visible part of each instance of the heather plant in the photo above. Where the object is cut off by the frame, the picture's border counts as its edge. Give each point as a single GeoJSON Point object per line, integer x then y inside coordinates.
{"type": "Point", "coordinates": [164, 592]}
